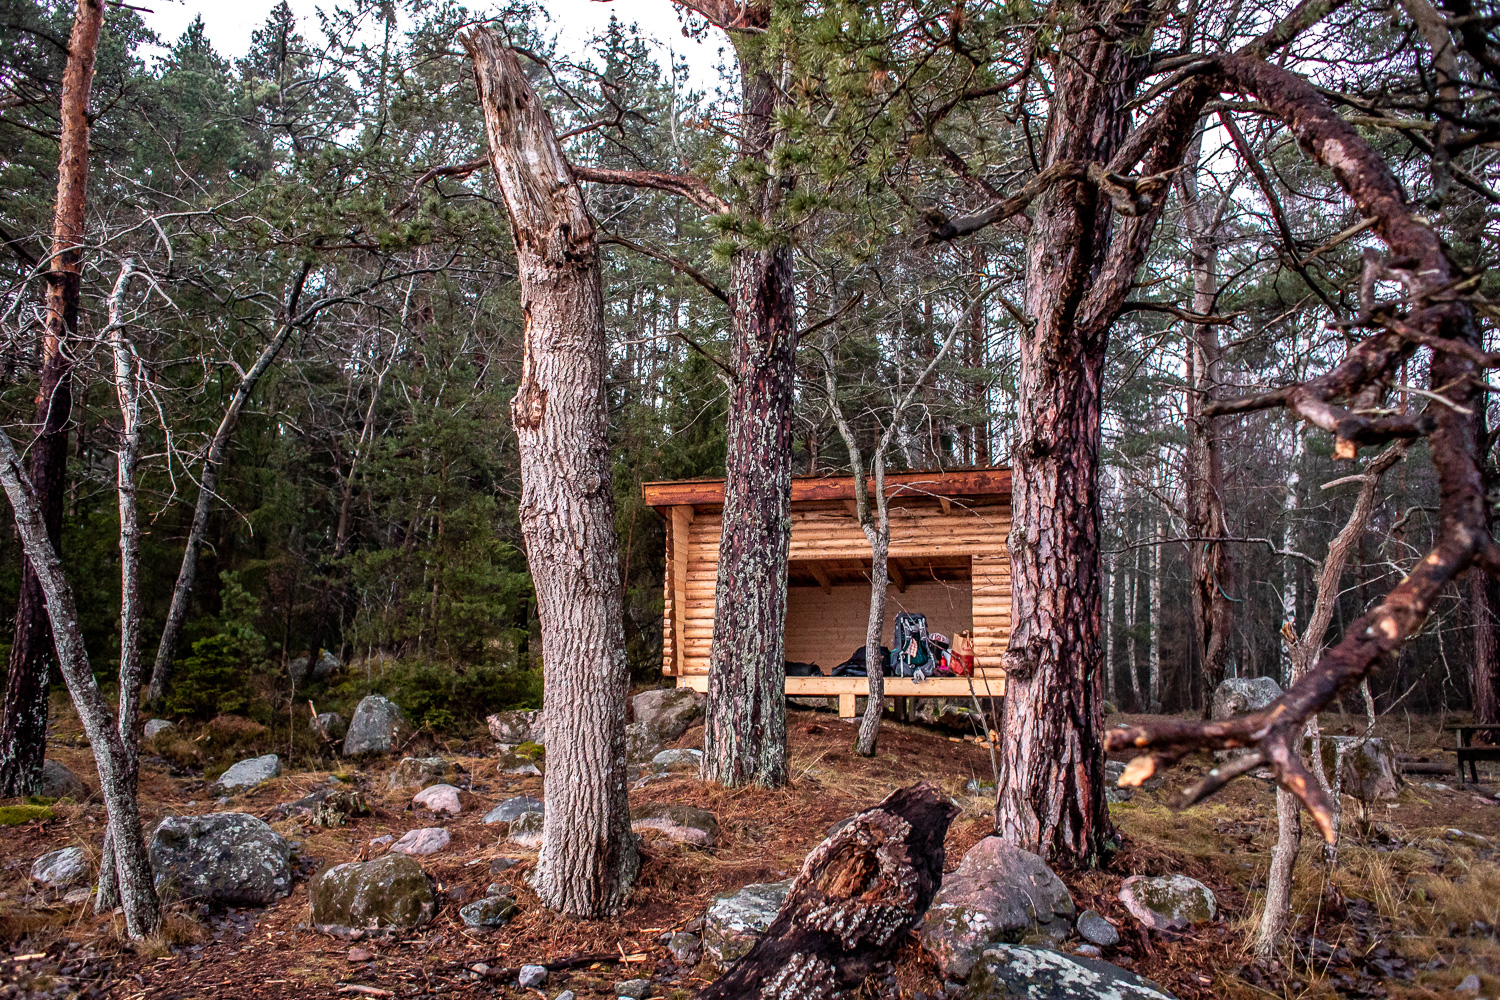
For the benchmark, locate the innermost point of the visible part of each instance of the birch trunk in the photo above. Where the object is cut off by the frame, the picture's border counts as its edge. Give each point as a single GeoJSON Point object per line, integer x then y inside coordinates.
{"type": "Point", "coordinates": [744, 738]}
{"type": "Point", "coordinates": [1132, 622]}
{"type": "Point", "coordinates": [1288, 565]}
{"type": "Point", "coordinates": [1154, 629]}
{"type": "Point", "coordinates": [1109, 630]}
{"type": "Point", "coordinates": [23, 711]}
{"type": "Point", "coordinates": [127, 377]}
{"type": "Point", "coordinates": [1304, 652]}
{"type": "Point", "coordinates": [588, 859]}
{"type": "Point", "coordinates": [132, 867]}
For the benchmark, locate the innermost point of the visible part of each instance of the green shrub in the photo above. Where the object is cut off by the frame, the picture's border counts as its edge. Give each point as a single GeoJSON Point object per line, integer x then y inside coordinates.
{"type": "Point", "coordinates": [444, 697]}
{"type": "Point", "coordinates": [214, 679]}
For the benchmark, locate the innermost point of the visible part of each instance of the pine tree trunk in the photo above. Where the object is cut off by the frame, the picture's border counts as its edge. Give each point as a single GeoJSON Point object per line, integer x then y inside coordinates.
{"type": "Point", "coordinates": [1482, 607]}
{"type": "Point", "coordinates": [588, 859]}
{"type": "Point", "coordinates": [744, 737]}
{"type": "Point", "coordinates": [1212, 562]}
{"type": "Point", "coordinates": [23, 711]}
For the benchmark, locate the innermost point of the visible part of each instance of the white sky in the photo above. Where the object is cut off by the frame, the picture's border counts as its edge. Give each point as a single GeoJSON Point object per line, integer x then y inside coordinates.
{"type": "Point", "coordinates": [228, 25]}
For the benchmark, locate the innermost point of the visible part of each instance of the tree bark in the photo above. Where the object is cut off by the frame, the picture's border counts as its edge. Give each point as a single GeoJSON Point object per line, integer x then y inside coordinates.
{"type": "Point", "coordinates": [133, 868]}
{"type": "Point", "coordinates": [23, 712]}
{"type": "Point", "coordinates": [588, 859]}
{"type": "Point", "coordinates": [1212, 562]}
{"type": "Point", "coordinates": [127, 380]}
{"type": "Point", "coordinates": [1051, 795]}
{"type": "Point", "coordinates": [1289, 571]}
{"type": "Point", "coordinates": [857, 896]}
{"type": "Point", "coordinates": [744, 737]}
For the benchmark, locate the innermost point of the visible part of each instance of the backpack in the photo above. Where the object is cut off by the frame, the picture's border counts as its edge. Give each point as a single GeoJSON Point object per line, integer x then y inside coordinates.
{"type": "Point", "coordinates": [912, 653]}
{"type": "Point", "coordinates": [855, 665]}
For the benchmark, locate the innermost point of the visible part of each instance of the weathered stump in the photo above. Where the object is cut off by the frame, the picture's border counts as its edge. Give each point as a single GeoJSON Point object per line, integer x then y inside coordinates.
{"type": "Point", "coordinates": [858, 894]}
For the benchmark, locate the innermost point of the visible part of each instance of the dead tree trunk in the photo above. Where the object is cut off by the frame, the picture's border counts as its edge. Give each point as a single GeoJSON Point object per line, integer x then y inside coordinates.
{"type": "Point", "coordinates": [23, 712]}
{"type": "Point", "coordinates": [1212, 562]}
{"type": "Point", "coordinates": [132, 867]}
{"type": "Point", "coordinates": [588, 859]}
{"type": "Point", "coordinates": [858, 894]}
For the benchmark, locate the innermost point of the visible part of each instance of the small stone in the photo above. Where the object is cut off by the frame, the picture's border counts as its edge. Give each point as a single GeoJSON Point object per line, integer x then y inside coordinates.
{"type": "Point", "coordinates": [526, 831]}
{"type": "Point", "coordinates": [532, 976]}
{"type": "Point", "coordinates": [1171, 902]}
{"type": "Point", "coordinates": [58, 869]}
{"type": "Point", "coordinates": [427, 840]}
{"type": "Point", "coordinates": [566, 995]}
{"type": "Point", "coordinates": [1470, 984]}
{"type": "Point", "coordinates": [687, 761]}
{"type": "Point", "coordinates": [491, 911]}
{"type": "Point", "coordinates": [1093, 928]}
{"type": "Point", "coordinates": [330, 724]}
{"type": "Point", "coordinates": [685, 948]}
{"type": "Point", "coordinates": [513, 809]}
{"type": "Point", "coordinates": [417, 773]}
{"type": "Point", "coordinates": [517, 766]}
{"type": "Point", "coordinates": [498, 865]}
{"type": "Point", "coordinates": [60, 783]}
{"type": "Point", "coordinates": [384, 838]}
{"type": "Point", "coordinates": [438, 798]}
{"type": "Point", "coordinates": [634, 989]}
{"type": "Point", "coordinates": [247, 774]}
{"type": "Point", "coordinates": [457, 893]}
{"type": "Point", "coordinates": [1089, 951]}
{"type": "Point", "coordinates": [679, 823]}
{"type": "Point", "coordinates": [360, 954]}
{"type": "Point", "coordinates": [78, 895]}
{"type": "Point", "coordinates": [155, 727]}
{"type": "Point", "coordinates": [495, 889]}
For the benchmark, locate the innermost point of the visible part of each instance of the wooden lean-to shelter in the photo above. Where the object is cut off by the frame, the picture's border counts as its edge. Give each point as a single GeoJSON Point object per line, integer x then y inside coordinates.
{"type": "Point", "coordinates": [947, 560]}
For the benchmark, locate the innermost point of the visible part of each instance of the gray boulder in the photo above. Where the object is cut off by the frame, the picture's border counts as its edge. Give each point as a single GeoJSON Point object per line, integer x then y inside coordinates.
{"type": "Point", "coordinates": [513, 809]}
{"type": "Point", "coordinates": [247, 774]}
{"type": "Point", "coordinates": [155, 727]}
{"type": "Point", "coordinates": [526, 831]}
{"type": "Point", "coordinates": [1094, 929]}
{"type": "Point", "coordinates": [425, 840]}
{"type": "Point", "coordinates": [633, 989]}
{"type": "Point", "coordinates": [493, 910]}
{"type": "Point", "coordinates": [60, 783]}
{"type": "Point", "coordinates": [1238, 695]}
{"type": "Point", "coordinates": [685, 948]}
{"type": "Point", "coordinates": [1370, 768]}
{"type": "Point", "coordinates": [1170, 902]}
{"type": "Point", "coordinates": [61, 869]}
{"type": "Point", "coordinates": [388, 894]}
{"type": "Point", "coordinates": [377, 727]}
{"type": "Point", "coordinates": [683, 824]}
{"type": "Point", "coordinates": [736, 920]}
{"type": "Point", "coordinates": [518, 765]}
{"type": "Point", "coordinates": [517, 727]}
{"type": "Point", "coordinates": [643, 741]}
{"type": "Point", "coordinates": [671, 710]}
{"type": "Point", "coordinates": [326, 665]}
{"type": "Point", "coordinates": [334, 725]}
{"type": "Point", "coordinates": [678, 761]}
{"type": "Point", "coordinates": [229, 857]}
{"type": "Point", "coordinates": [1015, 972]}
{"type": "Point", "coordinates": [303, 669]}
{"type": "Point", "coordinates": [417, 773]}
{"type": "Point", "coordinates": [297, 670]}
{"type": "Point", "coordinates": [999, 893]}
{"type": "Point", "coordinates": [531, 976]}
{"type": "Point", "coordinates": [950, 713]}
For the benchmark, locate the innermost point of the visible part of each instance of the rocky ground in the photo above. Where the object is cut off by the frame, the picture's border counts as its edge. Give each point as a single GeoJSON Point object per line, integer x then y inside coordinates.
{"type": "Point", "coordinates": [429, 842]}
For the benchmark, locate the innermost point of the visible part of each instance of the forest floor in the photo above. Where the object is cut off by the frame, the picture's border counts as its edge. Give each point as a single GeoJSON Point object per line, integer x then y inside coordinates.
{"type": "Point", "coordinates": [1411, 908]}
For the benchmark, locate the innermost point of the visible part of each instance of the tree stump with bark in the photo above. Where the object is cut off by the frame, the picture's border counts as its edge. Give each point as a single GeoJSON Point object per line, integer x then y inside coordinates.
{"type": "Point", "coordinates": [858, 894]}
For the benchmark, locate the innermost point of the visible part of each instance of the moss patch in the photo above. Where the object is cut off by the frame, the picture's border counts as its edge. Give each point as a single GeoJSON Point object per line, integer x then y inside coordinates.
{"type": "Point", "coordinates": [16, 815]}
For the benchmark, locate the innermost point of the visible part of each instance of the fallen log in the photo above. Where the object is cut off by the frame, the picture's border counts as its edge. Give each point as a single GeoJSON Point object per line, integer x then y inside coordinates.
{"type": "Point", "coordinates": [1426, 767]}
{"type": "Point", "coordinates": [859, 893]}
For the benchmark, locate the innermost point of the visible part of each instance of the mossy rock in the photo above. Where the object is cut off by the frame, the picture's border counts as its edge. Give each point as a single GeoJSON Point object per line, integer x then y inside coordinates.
{"type": "Point", "coordinates": [388, 894]}
{"type": "Point", "coordinates": [531, 750]}
{"type": "Point", "coordinates": [19, 815]}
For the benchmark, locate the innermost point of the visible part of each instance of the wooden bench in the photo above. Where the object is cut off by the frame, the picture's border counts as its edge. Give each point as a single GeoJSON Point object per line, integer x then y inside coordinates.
{"type": "Point", "coordinates": [846, 689]}
{"type": "Point", "coordinates": [1466, 752]}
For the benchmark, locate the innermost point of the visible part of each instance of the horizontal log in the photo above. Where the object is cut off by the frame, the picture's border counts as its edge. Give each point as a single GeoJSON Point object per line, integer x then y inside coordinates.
{"type": "Point", "coordinates": [947, 483]}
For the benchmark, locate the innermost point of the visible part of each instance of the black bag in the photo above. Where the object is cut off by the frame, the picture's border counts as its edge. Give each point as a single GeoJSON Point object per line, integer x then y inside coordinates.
{"type": "Point", "coordinates": [855, 665]}
{"type": "Point", "coordinates": [795, 669]}
{"type": "Point", "coordinates": [913, 654]}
